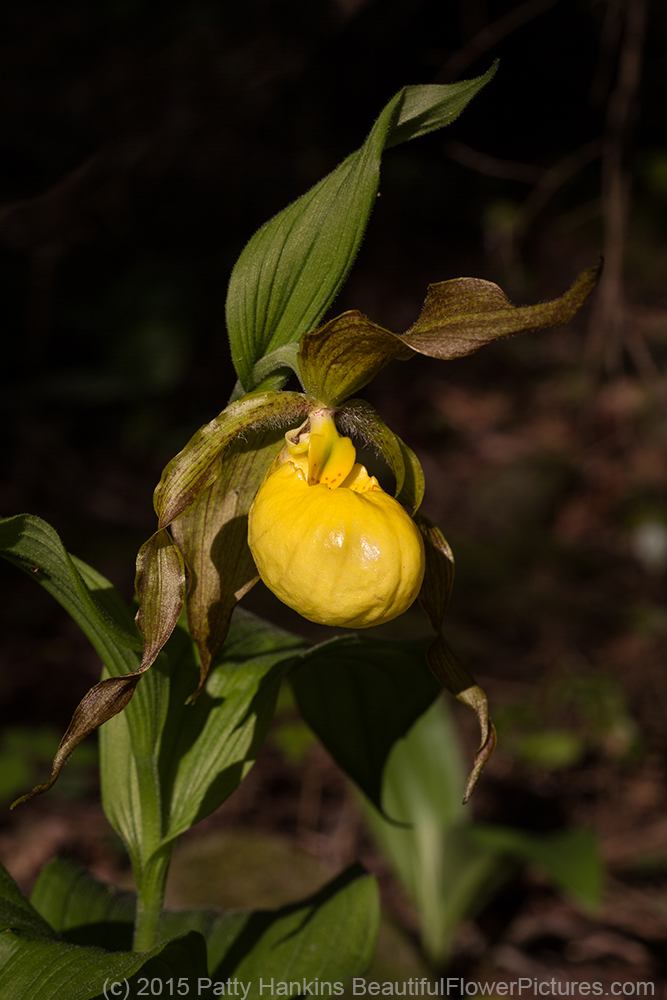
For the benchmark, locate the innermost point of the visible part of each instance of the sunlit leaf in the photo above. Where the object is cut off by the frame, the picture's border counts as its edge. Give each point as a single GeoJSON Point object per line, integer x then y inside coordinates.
{"type": "Point", "coordinates": [330, 936]}
{"type": "Point", "coordinates": [291, 270]}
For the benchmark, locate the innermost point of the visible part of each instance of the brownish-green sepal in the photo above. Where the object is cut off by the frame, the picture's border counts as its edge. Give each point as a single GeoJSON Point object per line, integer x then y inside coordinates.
{"type": "Point", "coordinates": [360, 419]}
{"type": "Point", "coordinates": [100, 704]}
{"type": "Point", "coordinates": [453, 676]}
{"type": "Point", "coordinates": [212, 535]}
{"type": "Point", "coordinates": [464, 314]}
{"type": "Point", "coordinates": [160, 582]}
{"type": "Point", "coordinates": [343, 356]}
{"type": "Point", "coordinates": [439, 574]}
{"type": "Point", "coordinates": [197, 465]}
{"type": "Point", "coordinates": [444, 665]}
{"type": "Point", "coordinates": [195, 482]}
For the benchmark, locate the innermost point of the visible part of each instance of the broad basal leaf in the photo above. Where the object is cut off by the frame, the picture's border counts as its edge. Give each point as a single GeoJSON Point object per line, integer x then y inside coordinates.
{"type": "Point", "coordinates": [331, 937]}
{"type": "Point", "coordinates": [17, 914]}
{"type": "Point", "coordinates": [291, 270]}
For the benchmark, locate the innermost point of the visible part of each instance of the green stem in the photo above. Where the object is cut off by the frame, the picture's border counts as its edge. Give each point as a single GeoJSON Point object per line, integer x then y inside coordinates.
{"type": "Point", "coordinates": [150, 874]}
{"type": "Point", "coordinates": [150, 896]}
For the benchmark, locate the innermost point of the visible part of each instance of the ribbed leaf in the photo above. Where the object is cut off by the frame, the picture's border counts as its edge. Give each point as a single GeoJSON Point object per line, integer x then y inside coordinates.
{"type": "Point", "coordinates": [55, 970]}
{"type": "Point", "coordinates": [291, 270]}
{"type": "Point", "coordinates": [330, 936]}
{"type": "Point", "coordinates": [443, 870]}
{"type": "Point", "coordinates": [93, 603]}
{"type": "Point", "coordinates": [17, 914]}
{"type": "Point", "coordinates": [194, 754]}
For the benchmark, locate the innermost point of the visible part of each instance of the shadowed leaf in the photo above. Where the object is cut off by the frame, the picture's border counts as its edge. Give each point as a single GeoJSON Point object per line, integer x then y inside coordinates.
{"type": "Point", "coordinates": [359, 696]}
{"type": "Point", "coordinates": [191, 480]}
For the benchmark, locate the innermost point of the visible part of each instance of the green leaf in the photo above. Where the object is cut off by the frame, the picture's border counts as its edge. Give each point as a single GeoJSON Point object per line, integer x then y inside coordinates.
{"type": "Point", "coordinates": [195, 755]}
{"type": "Point", "coordinates": [462, 315]}
{"type": "Point", "coordinates": [330, 936]}
{"type": "Point", "coordinates": [16, 913]}
{"type": "Point", "coordinates": [570, 858]}
{"type": "Point", "coordinates": [35, 966]}
{"type": "Point", "coordinates": [292, 269]}
{"type": "Point", "coordinates": [360, 695]}
{"type": "Point", "coordinates": [34, 546]}
{"type": "Point", "coordinates": [214, 742]}
{"type": "Point", "coordinates": [359, 417]}
{"type": "Point", "coordinates": [93, 603]}
{"type": "Point", "coordinates": [443, 870]}
{"type": "Point", "coordinates": [50, 970]}
{"type": "Point", "coordinates": [83, 910]}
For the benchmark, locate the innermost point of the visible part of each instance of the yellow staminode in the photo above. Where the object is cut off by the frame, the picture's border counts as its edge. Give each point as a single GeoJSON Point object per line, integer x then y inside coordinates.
{"type": "Point", "coordinates": [327, 539]}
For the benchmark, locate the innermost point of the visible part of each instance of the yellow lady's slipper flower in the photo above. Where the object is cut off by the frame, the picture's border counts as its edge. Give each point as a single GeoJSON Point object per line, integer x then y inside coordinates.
{"type": "Point", "coordinates": [327, 539]}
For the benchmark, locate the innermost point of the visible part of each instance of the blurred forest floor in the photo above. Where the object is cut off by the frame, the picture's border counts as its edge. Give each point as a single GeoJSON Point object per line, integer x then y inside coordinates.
{"type": "Point", "coordinates": [141, 151]}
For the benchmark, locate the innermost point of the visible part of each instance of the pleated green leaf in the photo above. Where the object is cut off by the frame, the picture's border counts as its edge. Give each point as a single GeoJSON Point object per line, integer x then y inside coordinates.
{"type": "Point", "coordinates": [330, 936]}
{"type": "Point", "coordinates": [444, 871]}
{"type": "Point", "coordinates": [291, 270]}
{"type": "Point", "coordinates": [56, 970]}
{"type": "Point", "coordinates": [17, 914]}
{"type": "Point", "coordinates": [195, 755]}
{"type": "Point", "coordinates": [34, 545]}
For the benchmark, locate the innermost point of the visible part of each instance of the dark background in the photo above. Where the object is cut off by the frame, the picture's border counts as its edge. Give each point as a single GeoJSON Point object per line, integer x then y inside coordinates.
{"type": "Point", "coordinates": [141, 145]}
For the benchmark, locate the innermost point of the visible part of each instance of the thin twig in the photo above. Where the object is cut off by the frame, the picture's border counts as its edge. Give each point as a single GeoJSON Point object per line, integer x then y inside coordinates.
{"type": "Point", "coordinates": [607, 336]}
{"type": "Point", "coordinates": [490, 36]}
